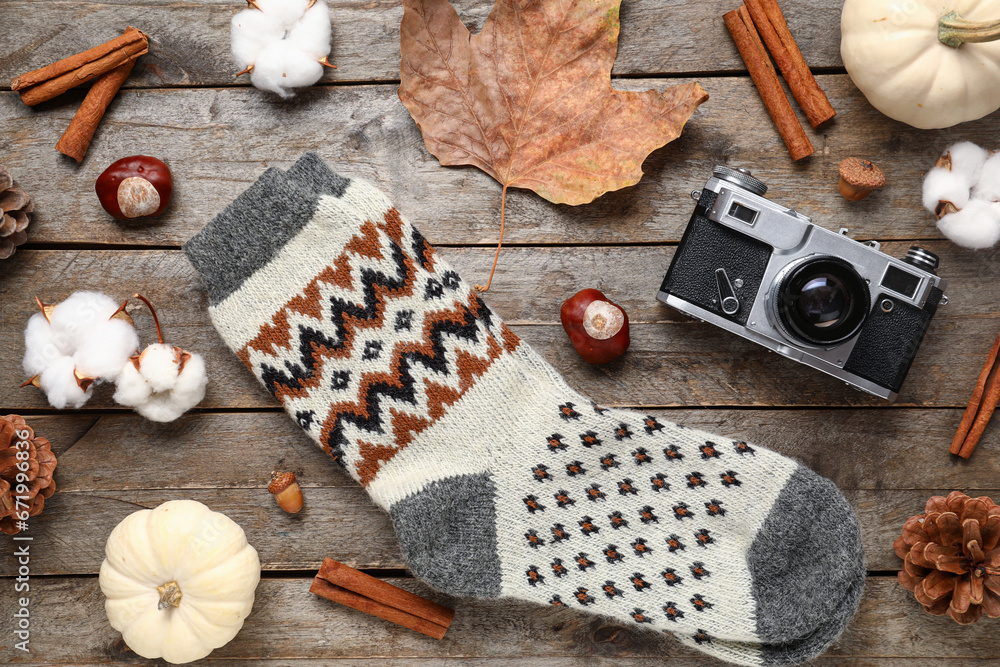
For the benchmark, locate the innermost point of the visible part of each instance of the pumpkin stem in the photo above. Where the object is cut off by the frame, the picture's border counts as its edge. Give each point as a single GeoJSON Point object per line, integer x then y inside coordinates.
{"type": "Point", "coordinates": [954, 31]}
{"type": "Point", "coordinates": [170, 595]}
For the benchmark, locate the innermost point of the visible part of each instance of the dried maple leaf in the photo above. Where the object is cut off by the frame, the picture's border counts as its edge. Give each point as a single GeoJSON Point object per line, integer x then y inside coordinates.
{"type": "Point", "coordinates": [529, 100]}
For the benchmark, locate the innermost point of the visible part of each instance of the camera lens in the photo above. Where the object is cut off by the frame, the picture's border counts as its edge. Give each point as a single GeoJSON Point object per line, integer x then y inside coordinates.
{"type": "Point", "coordinates": [823, 301]}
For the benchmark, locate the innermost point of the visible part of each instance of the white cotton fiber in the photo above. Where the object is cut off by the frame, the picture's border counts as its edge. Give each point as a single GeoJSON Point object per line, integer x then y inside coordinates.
{"type": "Point", "coordinates": [282, 66]}
{"type": "Point", "coordinates": [159, 390]}
{"type": "Point", "coordinates": [80, 311]}
{"type": "Point", "coordinates": [282, 41]}
{"type": "Point", "coordinates": [105, 348]}
{"type": "Point", "coordinates": [40, 349]}
{"type": "Point", "coordinates": [973, 186]}
{"type": "Point", "coordinates": [131, 388]}
{"type": "Point", "coordinates": [79, 335]}
{"type": "Point", "coordinates": [988, 185]}
{"type": "Point", "coordinates": [192, 380]}
{"type": "Point", "coordinates": [967, 160]}
{"type": "Point", "coordinates": [943, 185]}
{"type": "Point", "coordinates": [283, 12]}
{"type": "Point", "coordinates": [251, 31]}
{"type": "Point", "coordinates": [60, 386]}
{"type": "Point", "coordinates": [976, 226]}
{"type": "Point", "coordinates": [313, 33]}
{"type": "Point", "coordinates": [159, 366]}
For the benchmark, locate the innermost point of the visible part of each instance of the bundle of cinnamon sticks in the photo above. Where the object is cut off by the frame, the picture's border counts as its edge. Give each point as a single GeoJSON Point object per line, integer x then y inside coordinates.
{"type": "Point", "coordinates": [355, 589]}
{"type": "Point", "coordinates": [761, 22]}
{"type": "Point", "coordinates": [110, 64]}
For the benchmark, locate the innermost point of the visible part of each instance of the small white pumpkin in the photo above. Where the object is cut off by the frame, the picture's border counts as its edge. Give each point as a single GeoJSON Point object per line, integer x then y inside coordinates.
{"type": "Point", "coordinates": [179, 580]}
{"type": "Point", "coordinates": [928, 63]}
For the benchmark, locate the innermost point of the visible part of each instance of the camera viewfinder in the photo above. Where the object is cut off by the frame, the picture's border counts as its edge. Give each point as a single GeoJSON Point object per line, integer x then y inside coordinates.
{"type": "Point", "coordinates": [742, 213]}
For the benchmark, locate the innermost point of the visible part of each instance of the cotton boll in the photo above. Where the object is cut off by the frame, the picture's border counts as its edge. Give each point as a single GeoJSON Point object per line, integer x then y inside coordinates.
{"type": "Point", "coordinates": [976, 226]}
{"type": "Point", "coordinates": [159, 389]}
{"type": "Point", "coordinates": [282, 66]}
{"type": "Point", "coordinates": [39, 348]}
{"type": "Point", "coordinates": [159, 409]}
{"type": "Point", "coordinates": [105, 348]}
{"type": "Point", "coordinates": [967, 159]}
{"type": "Point", "coordinates": [159, 366]}
{"type": "Point", "coordinates": [131, 388]}
{"type": "Point", "coordinates": [192, 381]}
{"type": "Point", "coordinates": [312, 34]}
{"type": "Point", "coordinates": [80, 311]}
{"type": "Point", "coordinates": [251, 31]}
{"type": "Point", "coordinates": [988, 187]}
{"type": "Point", "coordinates": [943, 185]}
{"type": "Point", "coordinates": [283, 12]}
{"type": "Point", "coordinates": [281, 43]}
{"type": "Point", "coordinates": [186, 393]}
{"type": "Point", "coordinates": [60, 385]}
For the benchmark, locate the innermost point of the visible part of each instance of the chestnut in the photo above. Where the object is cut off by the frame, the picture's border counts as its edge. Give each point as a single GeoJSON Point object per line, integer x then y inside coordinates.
{"type": "Point", "coordinates": [597, 327]}
{"type": "Point", "coordinates": [138, 186]}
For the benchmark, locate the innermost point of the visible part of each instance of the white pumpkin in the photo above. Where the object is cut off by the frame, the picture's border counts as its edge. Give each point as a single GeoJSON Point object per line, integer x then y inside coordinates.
{"type": "Point", "coordinates": [179, 580]}
{"type": "Point", "coordinates": [892, 50]}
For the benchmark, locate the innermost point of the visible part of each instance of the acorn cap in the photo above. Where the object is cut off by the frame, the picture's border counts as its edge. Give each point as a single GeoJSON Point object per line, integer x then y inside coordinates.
{"type": "Point", "coordinates": [280, 481]}
{"type": "Point", "coordinates": [862, 174]}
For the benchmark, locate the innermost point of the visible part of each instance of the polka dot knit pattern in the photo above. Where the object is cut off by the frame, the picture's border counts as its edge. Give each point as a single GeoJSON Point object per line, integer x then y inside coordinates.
{"type": "Point", "coordinates": [501, 480]}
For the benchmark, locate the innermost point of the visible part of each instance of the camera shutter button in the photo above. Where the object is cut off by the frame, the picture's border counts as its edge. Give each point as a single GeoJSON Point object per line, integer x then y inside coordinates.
{"type": "Point", "coordinates": [727, 295]}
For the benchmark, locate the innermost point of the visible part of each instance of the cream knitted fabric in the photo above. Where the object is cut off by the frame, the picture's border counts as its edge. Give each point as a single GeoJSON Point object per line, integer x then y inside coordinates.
{"type": "Point", "coordinates": [500, 479]}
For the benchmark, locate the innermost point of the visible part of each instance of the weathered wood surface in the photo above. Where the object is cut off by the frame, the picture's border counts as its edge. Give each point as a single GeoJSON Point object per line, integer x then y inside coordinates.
{"type": "Point", "coordinates": [189, 42]}
{"type": "Point", "coordinates": [673, 361]}
{"type": "Point", "coordinates": [218, 134]}
{"type": "Point", "coordinates": [678, 659]}
{"type": "Point", "coordinates": [288, 623]}
{"type": "Point", "coordinates": [364, 131]}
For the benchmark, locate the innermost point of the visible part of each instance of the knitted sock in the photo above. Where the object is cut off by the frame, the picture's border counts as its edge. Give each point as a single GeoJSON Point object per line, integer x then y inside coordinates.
{"type": "Point", "coordinates": [501, 480]}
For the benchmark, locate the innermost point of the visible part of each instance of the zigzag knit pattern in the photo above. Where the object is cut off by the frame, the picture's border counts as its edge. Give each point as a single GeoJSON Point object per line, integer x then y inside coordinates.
{"type": "Point", "coordinates": [500, 479]}
{"type": "Point", "coordinates": [360, 397]}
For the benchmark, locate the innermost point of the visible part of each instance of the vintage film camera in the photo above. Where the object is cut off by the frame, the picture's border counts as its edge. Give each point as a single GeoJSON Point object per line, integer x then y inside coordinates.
{"type": "Point", "coordinates": [767, 273]}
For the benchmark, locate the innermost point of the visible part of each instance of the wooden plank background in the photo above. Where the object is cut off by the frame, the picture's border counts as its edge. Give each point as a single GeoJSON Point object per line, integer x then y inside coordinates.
{"type": "Point", "coordinates": [183, 105]}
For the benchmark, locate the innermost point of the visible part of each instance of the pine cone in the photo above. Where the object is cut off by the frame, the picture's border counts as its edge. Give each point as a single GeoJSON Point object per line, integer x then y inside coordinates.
{"type": "Point", "coordinates": [41, 464]}
{"type": "Point", "coordinates": [15, 205]}
{"type": "Point", "coordinates": [950, 557]}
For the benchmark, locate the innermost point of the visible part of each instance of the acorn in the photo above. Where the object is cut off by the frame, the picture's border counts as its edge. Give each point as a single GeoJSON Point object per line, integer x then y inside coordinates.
{"type": "Point", "coordinates": [858, 178]}
{"type": "Point", "coordinates": [286, 491]}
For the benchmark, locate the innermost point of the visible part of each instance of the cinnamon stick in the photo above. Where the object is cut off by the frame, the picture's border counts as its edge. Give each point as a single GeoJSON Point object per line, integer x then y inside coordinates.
{"type": "Point", "coordinates": [347, 586]}
{"type": "Point", "coordinates": [752, 50]}
{"type": "Point", "coordinates": [351, 599]}
{"type": "Point", "coordinates": [47, 82]}
{"type": "Point", "coordinates": [76, 139]}
{"type": "Point", "coordinates": [772, 27]}
{"type": "Point", "coordinates": [983, 403]}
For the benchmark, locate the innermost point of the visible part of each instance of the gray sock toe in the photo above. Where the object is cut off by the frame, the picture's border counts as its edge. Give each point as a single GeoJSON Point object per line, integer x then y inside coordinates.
{"type": "Point", "coordinates": [448, 535]}
{"type": "Point", "coordinates": [808, 569]}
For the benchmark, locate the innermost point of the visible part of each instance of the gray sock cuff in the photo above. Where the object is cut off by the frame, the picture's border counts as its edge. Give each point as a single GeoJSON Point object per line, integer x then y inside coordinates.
{"type": "Point", "coordinates": [311, 172]}
{"type": "Point", "coordinates": [258, 223]}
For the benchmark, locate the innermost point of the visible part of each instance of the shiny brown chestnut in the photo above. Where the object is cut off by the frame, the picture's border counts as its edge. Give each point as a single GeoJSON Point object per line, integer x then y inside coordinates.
{"type": "Point", "coordinates": [597, 327]}
{"type": "Point", "coordinates": [138, 186]}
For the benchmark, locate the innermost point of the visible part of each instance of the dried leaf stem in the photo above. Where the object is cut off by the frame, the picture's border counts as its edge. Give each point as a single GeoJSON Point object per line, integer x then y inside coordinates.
{"type": "Point", "coordinates": [503, 209]}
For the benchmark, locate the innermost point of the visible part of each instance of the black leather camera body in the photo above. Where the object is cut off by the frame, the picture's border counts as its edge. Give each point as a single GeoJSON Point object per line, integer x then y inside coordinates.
{"type": "Point", "coordinates": [767, 273]}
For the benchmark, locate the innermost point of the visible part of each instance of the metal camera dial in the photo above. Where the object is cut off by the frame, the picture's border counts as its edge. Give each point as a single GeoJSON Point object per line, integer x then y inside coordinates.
{"type": "Point", "coordinates": [740, 177]}
{"type": "Point", "coordinates": [922, 259]}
